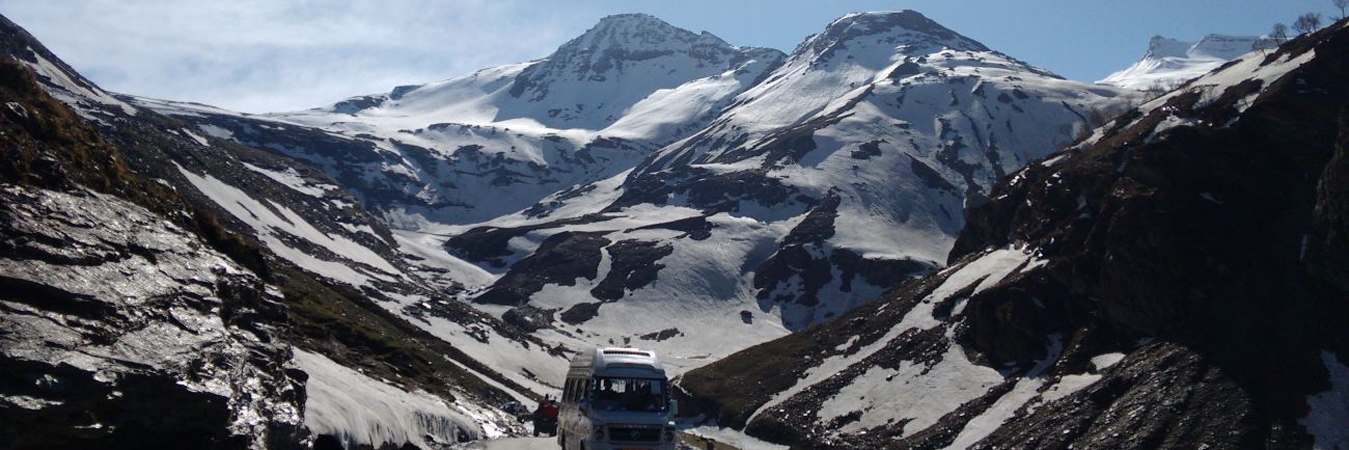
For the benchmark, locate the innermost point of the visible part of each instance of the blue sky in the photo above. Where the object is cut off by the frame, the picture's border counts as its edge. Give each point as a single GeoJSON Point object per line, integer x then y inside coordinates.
{"type": "Point", "coordinates": [272, 55]}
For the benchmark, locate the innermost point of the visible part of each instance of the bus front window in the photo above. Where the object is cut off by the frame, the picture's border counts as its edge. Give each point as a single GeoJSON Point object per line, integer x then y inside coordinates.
{"type": "Point", "coordinates": [629, 394]}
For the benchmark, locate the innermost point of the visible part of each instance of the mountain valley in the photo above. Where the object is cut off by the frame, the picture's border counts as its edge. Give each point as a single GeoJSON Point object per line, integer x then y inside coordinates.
{"type": "Point", "coordinates": [892, 237]}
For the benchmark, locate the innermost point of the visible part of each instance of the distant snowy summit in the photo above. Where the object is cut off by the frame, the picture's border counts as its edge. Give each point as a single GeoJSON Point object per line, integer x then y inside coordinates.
{"type": "Point", "coordinates": [590, 83]}
{"type": "Point", "coordinates": [1170, 62]}
{"type": "Point", "coordinates": [908, 30]}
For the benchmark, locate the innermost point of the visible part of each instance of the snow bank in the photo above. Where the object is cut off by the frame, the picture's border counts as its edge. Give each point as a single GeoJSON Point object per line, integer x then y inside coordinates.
{"type": "Point", "coordinates": [991, 419]}
{"type": "Point", "coordinates": [918, 392]}
{"type": "Point", "coordinates": [77, 89]}
{"type": "Point", "coordinates": [736, 438]}
{"type": "Point", "coordinates": [1329, 409]}
{"type": "Point", "coordinates": [359, 410]}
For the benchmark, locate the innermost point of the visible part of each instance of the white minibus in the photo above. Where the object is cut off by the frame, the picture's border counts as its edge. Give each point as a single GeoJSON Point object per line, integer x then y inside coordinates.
{"type": "Point", "coordinates": [616, 399]}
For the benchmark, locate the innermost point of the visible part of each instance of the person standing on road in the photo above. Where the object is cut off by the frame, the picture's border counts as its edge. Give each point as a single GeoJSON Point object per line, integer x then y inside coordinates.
{"type": "Point", "coordinates": [549, 409]}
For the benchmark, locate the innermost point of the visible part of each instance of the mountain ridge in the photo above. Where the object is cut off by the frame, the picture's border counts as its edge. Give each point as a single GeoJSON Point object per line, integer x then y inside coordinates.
{"type": "Point", "coordinates": [1160, 257]}
{"type": "Point", "coordinates": [908, 27]}
{"type": "Point", "coordinates": [1168, 63]}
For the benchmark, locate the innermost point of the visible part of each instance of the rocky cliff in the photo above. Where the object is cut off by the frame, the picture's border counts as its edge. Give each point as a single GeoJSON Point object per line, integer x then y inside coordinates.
{"type": "Point", "coordinates": [148, 267]}
{"type": "Point", "coordinates": [1174, 280]}
{"type": "Point", "coordinates": [128, 318]}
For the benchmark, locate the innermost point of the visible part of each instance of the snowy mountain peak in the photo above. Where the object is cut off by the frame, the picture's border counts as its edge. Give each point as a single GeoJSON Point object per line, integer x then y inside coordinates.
{"type": "Point", "coordinates": [905, 29]}
{"type": "Point", "coordinates": [636, 31]}
{"type": "Point", "coordinates": [629, 68]}
{"type": "Point", "coordinates": [590, 81]}
{"type": "Point", "coordinates": [1170, 62]}
{"type": "Point", "coordinates": [625, 19]}
{"type": "Point", "coordinates": [1218, 46]}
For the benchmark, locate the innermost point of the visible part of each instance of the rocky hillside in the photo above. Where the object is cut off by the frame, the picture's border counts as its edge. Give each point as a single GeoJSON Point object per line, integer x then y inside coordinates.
{"type": "Point", "coordinates": [1176, 279]}
{"type": "Point", "coordinates": [113, 211]}
{"type": "Point", "coordinates": [129, 319]}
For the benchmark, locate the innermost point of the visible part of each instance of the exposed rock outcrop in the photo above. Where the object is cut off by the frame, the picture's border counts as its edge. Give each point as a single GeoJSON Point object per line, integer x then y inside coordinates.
{"type": "Point", "coordinates": [121, 329]}
{"type": "Point", "coordinates": [134, 315]}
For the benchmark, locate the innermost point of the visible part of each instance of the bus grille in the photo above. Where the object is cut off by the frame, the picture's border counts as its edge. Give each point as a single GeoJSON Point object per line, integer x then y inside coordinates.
{"type": "Point", "coordinates": [630, 433]}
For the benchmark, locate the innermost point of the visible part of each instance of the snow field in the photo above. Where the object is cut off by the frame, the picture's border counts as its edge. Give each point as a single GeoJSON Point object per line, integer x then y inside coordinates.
{"type": "Point", "coordinates": [271, 221]}
{"type": "Point", "coordinates": [288, 178]}
{"type": "Point", "coordinates": [361, 410]}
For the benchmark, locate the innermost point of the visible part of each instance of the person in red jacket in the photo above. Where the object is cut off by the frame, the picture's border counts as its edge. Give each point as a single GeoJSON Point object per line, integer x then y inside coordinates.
{"type": "Point", "coordinates": [549, 409]}
{"type": "Point", "coordinates": [545, 417]}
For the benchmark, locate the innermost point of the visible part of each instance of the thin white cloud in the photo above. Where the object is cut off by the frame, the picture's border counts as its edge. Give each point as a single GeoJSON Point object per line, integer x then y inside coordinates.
{"type": "Point", "coordinates": [270, 55]}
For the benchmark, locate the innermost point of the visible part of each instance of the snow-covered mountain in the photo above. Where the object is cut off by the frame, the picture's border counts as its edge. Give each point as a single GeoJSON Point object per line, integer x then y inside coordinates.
{"type": "Point", "coordinates": [842, 173]}
{"type": "Point", "coordinates": [1169, 63]}
{"type": "Point", "coordinates": [602, 80]}
{"type": "Point", "coordinates": [501, 167]}
{"type": "Point", "coordinates": [470, 149]}
{"type": "Point", "coordinates": [1176, 279]}
{"type": "Point", "coordinates": [746, 192]}
{"type": "Point", "coordinates": [426, 158]}
{"type": "Point", "coordinates": [695, 185]}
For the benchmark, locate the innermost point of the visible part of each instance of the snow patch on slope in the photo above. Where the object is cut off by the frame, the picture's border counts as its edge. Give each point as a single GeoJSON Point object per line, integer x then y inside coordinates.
{"type": "Point", "coordinates": [915, 391]}
{"type": "Point", "coordinates": [533, 368]}
{"type": "Point", "coordinates": [736, 438]}
{"type": "Point", "coordinates": [74, 90]}
{"type": "Point", "coordinates": [987, 270]}
{"type": "Point", "coordinates": [291, 179]}
{"type": "Point", "coordinates": [1102, 362]}
{"type": "Point", "coordinates": [197, 137]}
{"type": "Point", "coordinates": [1252, 66]}
{"type": "Point", "coordinates": [1325, 420]}
{"type": "Point", "coordinates": [271, 221]}
{"type": "Point", "coordinates": [360, 410]}
{"type": "Point", "coordinates": [1005, 408]}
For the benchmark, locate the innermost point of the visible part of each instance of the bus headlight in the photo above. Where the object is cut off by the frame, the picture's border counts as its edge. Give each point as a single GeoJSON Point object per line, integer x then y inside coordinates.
{"type": "Point", "coordinates": [599, 433]}
{"type": "Point", "coordinates": [669, 436]}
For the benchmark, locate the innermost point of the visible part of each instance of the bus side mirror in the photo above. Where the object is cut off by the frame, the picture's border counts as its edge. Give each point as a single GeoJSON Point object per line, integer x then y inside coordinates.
{"type": "Point", "coordinates": [674, 406]}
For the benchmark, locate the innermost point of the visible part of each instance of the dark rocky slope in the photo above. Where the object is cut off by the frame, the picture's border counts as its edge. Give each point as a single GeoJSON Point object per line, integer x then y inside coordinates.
{"type": "Point", "coordinates": [1200, 239]}
{"type": "Point", "coordinates": [125, 323]}
{"type": "Point", "coordinates": [95, 200]}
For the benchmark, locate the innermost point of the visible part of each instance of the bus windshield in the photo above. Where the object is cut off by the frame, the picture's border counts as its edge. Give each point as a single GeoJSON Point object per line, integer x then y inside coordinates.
{"type": "Point", "coordinates": [629, 394]}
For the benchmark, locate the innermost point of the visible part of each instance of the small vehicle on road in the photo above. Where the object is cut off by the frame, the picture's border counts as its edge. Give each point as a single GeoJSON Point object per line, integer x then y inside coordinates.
{"type": "Point", "coordinates": [616, 399]}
